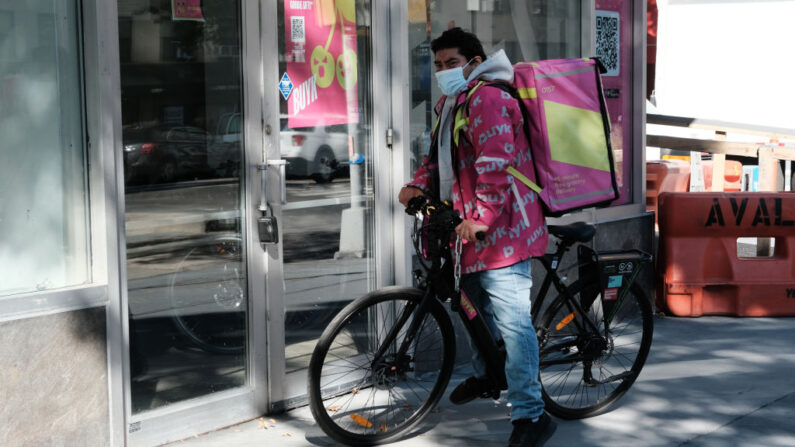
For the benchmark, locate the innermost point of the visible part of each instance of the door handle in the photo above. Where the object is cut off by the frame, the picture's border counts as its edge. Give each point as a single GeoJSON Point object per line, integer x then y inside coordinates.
{"type": "Point", "coordinates": [282, 165]}
{"type": "Point", "coordinates": [263, 169]}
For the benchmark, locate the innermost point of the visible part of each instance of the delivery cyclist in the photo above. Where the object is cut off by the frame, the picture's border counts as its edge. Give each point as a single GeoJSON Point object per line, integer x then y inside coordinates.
{"type": "Point", "coordinates": [468, 169]}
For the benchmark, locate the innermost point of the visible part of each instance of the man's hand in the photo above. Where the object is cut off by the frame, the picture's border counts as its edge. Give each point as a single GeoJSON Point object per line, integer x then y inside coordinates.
{"type": "Point", "coordinates": [468, 230]}
{"type": "Point", "coordinates": [408, 193]}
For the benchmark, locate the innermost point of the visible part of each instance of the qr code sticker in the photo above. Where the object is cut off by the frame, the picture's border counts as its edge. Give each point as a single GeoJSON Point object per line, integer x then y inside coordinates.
{"type": "Point", "coordinates": [608, 42]}
{"type": "Point", "coordinates": [297, 30]}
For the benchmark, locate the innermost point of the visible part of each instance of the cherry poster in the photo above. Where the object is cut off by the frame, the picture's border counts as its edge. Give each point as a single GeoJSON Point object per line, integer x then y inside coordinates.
{"type": "Point", "coordinates": [320, 48]}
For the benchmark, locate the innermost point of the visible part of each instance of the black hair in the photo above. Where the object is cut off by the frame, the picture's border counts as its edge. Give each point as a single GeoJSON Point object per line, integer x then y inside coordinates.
{"type": "Point", "coordinates": [467, 43]}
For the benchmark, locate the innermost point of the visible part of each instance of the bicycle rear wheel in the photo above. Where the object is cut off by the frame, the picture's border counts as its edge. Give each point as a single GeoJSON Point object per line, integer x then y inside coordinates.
{"type": "Point", "coordinates": [583, 373]}
{"type": "Point", "coordinates": [357, 402]}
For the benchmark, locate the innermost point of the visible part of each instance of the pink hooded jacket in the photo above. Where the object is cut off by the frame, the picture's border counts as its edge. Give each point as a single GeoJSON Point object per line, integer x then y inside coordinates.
{"type": "Point", "coordinates": [482, 190]}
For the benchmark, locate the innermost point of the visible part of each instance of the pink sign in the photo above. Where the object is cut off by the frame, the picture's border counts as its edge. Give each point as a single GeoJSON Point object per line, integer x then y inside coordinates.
{"type": "Point", "coordinates": [320, 48]}
{"type": "Point", "coordinates": [469, 309]}
{"type": "Point", "coordinates": [187, 10]}
{"type": "Point", "coordinates": [613, 42]}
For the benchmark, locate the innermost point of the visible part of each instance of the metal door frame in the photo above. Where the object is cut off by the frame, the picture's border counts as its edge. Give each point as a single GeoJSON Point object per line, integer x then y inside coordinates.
{"type": "Point", "coordinates": [289, 390]}
{"type": "Point", "coordinates": [221, 409]}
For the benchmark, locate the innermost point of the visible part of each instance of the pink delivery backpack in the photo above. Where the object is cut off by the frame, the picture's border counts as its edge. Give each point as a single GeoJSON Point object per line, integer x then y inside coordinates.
{"type": "Point", "coordinates": [568, 128]}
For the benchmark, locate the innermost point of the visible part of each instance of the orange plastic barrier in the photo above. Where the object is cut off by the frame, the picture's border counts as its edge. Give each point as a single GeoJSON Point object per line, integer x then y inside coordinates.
{"type": "Point", "coordinates": [665, 175]}
{"type": "Point", "coordinates": [701, 273]}
{"type": "Point", "coordinates": [732, 174]}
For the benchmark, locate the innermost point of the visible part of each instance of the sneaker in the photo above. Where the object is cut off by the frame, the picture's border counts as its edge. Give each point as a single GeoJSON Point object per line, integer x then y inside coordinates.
{"type": "Point", "coordinates": [471, 388]}
{"type": "Point", "coordinates": [527, 433]}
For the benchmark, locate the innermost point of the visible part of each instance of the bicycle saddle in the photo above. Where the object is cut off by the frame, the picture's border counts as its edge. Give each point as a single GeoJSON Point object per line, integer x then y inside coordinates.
{"type": "Point", "coordinates": [577, 232]}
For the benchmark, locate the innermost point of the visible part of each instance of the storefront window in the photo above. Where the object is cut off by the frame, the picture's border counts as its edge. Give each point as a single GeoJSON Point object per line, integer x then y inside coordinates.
{"type": "Point", "coordinates": [44, 222]}
{"type": "Point", "coordinates": [182, 148]}
{"type": "Point", "coordinates": [525, 29]}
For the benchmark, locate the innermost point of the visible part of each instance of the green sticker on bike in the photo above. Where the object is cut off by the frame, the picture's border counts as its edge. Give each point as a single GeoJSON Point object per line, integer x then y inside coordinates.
{"type": "Point", "coordinates": [614, 281]}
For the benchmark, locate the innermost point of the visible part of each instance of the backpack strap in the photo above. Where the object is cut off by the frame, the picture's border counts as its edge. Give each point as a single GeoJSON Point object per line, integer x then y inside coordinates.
{"type": "Point", "coordinates": [462, 115]}
{"type": "Point", "coordinates": [519, 95]}
{"type": "Point", "coordinates": [521, 177]}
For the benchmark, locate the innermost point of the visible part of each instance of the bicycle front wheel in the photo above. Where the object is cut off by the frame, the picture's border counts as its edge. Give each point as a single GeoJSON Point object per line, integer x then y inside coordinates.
{"type": "Point", "coordinates": [583, 372]}
{"type": "Point", "coordinates": [357, 400]}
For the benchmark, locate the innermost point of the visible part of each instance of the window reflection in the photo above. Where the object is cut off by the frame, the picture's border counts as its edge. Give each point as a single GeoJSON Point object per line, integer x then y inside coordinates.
{"type": "Point", "coordinates": [525, 29]}
{"type": "Point", "coordinates": [319, 153]}
{"type": "Point", "coordinates": [326, 140]}
{"type": "Point", "coordinates": [182, 151]}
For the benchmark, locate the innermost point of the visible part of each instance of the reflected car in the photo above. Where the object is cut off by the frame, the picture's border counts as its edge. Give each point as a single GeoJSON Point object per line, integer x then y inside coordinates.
{"type": "Point", "coordinates": [319, 153]}
{"type": "Point", "coordinates": [164, 154]}
{"type": "Point", "coordinates": [224, 153]}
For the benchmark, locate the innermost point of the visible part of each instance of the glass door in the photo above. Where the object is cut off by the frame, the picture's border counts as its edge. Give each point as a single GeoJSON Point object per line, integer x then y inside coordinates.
{"type": "Point", "coordinates": [326, 139]}
{"type": "Point", "coordinates": [186, 148]}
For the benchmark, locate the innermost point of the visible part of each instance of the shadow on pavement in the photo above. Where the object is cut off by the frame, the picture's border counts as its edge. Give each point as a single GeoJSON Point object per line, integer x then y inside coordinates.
{"type": "Point", "coordinates": [710, 381]}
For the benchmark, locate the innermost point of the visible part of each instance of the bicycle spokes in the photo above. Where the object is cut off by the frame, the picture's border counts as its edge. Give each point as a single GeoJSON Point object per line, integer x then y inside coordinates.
{"type": "Point", "coordinates": [586, 364]}
{"type": "Point", "coordinates": [381, 369]}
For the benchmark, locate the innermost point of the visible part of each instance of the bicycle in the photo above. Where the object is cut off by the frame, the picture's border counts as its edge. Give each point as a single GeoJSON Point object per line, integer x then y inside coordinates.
{"type": "Point", "coordinates": [207, 295]}
{"type": "Point", "coordinates": [385, 360]}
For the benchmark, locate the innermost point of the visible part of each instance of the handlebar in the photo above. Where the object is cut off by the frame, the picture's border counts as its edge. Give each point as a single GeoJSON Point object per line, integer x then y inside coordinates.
{"type": "Point", "coordinates": [415, 204]}
{"type": "Point", "coordinates": [442, 213]}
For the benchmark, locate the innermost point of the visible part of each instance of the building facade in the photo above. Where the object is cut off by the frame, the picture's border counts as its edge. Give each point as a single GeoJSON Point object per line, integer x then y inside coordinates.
{"type": "Point", "coordinates": [146, 147]}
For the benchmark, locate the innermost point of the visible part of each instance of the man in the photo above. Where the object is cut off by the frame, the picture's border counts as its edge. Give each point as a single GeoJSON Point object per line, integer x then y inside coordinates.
{"type": "Point", "coordinates": [469, 169]}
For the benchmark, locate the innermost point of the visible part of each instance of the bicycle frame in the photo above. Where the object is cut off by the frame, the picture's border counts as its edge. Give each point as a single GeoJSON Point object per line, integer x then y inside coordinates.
{"type": "Point", "coordinates": [470, 314]}
{"type": "Point", "coordinates": [399, 343]}
{"type": "Point", "coordinates": [435, 286]}
{"type": "Point", "coordinates": [551, 263]}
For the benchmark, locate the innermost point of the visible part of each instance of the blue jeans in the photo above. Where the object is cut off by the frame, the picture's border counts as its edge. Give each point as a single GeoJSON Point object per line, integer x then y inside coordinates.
{"type": "Point", "coordinates": [503, 295]}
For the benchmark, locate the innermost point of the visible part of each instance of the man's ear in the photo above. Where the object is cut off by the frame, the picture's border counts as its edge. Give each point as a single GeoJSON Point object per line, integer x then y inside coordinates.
{"type": "Point", "coordinates": [473, 64]}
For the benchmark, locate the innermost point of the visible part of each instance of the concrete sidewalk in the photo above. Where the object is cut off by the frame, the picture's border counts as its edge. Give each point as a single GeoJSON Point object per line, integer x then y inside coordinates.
{"type": "Point", "coordinates": [710, 381]}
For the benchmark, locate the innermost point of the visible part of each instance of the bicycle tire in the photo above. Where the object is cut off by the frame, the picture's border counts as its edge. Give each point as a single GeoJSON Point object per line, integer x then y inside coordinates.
{"type": "Point", "coordinates": [617, 364]}
{"type": "Point", "coordinates": [224, 331]}
{"type": "Point", "coordinates": [345, 352]}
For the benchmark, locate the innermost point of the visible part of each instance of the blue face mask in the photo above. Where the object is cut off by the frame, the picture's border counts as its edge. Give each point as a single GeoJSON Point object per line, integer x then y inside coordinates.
{"type": "Point", "coordinates": [451, 81]}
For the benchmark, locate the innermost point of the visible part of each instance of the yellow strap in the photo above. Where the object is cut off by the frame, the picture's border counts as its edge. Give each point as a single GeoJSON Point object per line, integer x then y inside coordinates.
{"type": "Point", "coordinates": [519, 176]}
{"type": "Point", "coordinates": [527, 93]}
{"type": "Point", "coordinates": [460, 121]}
{"type": "Point", "coordinates": [477, 86]}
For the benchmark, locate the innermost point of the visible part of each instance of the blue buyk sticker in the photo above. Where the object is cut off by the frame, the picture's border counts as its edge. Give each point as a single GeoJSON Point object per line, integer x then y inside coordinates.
{"type": "Point", "coordinates": [285, 86]}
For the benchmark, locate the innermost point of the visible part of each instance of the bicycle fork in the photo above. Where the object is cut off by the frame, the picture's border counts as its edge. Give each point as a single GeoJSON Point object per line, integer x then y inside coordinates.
{"type": "Point", "coordinates": [418, 311]}
{"type": "Point", "coordinates": [492, 353]}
